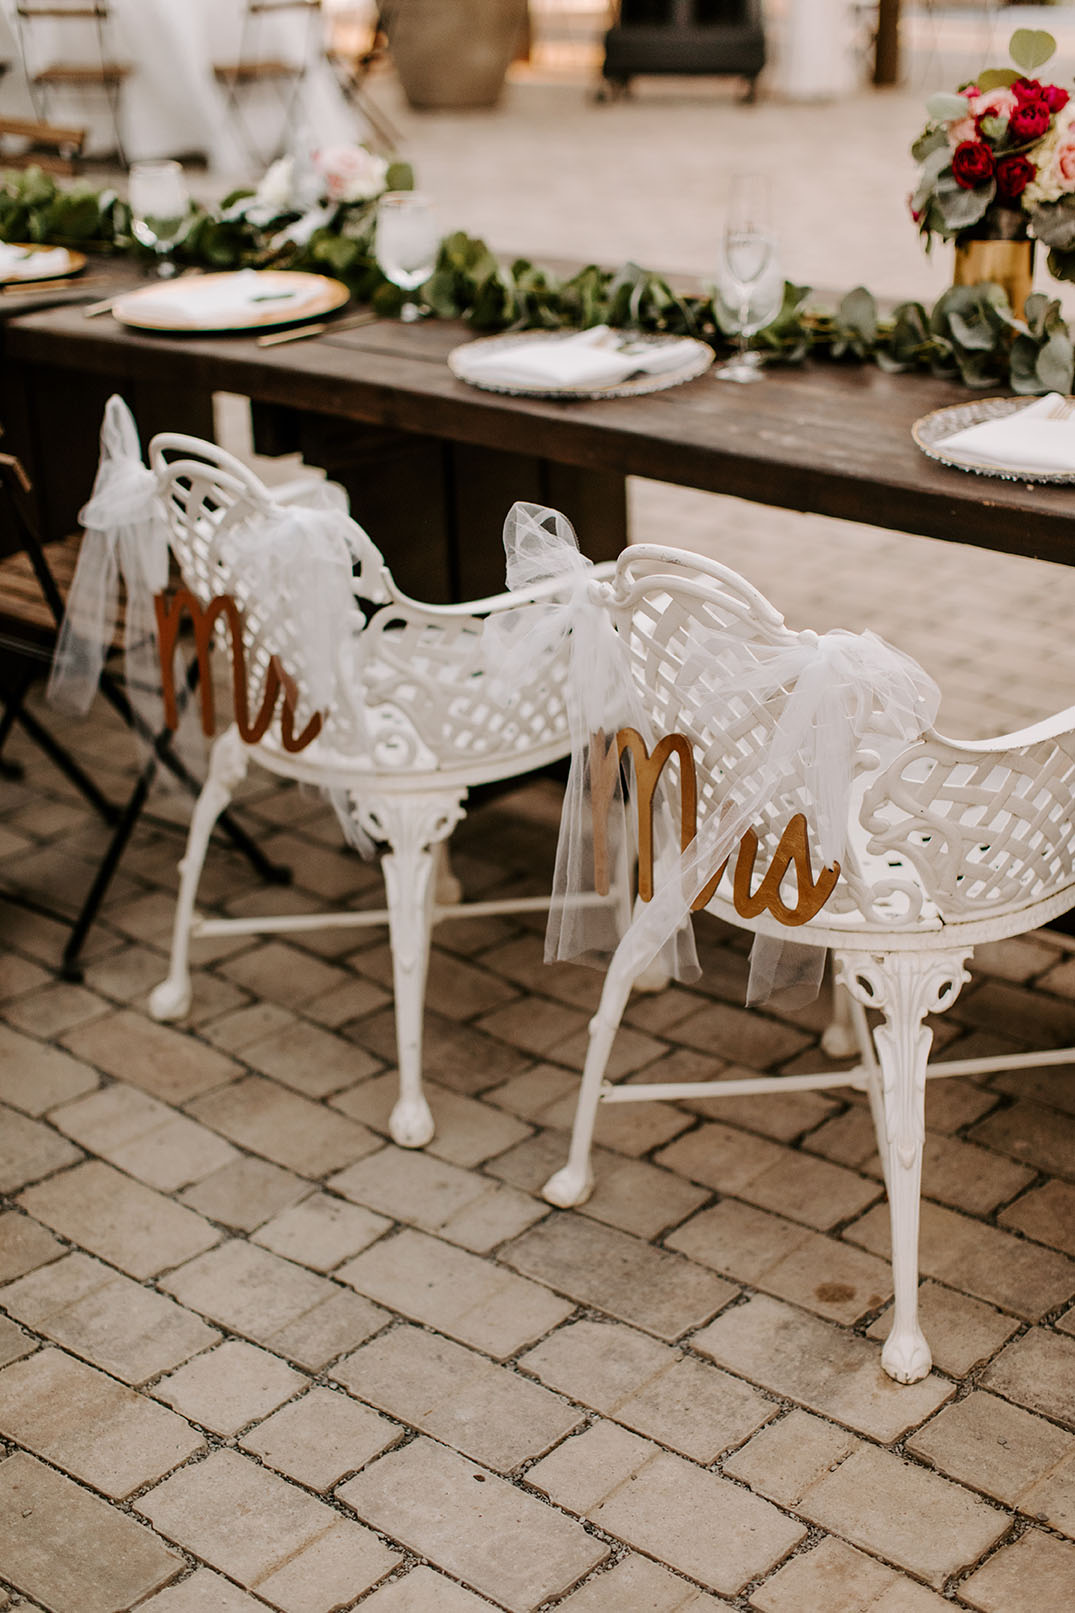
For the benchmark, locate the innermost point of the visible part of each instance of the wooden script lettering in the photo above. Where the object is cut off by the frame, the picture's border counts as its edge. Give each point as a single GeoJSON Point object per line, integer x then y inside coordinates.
{"type": "Point", "coordinates": [169, 615]}
{"type": "Point", "coordinates": [792, 851]}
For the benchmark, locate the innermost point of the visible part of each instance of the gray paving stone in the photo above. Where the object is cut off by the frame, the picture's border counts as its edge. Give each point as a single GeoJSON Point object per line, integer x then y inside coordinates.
{"type": "Point", "coordinates": [487, 1412]}
{"type": "Point", "coordinates": [631, 1280]}
{"type": "Point", "coordinates": [69, 1549]}
{"type": "Point", "coordinates": [827, 1370]}
{"type": "Point", "coordinates": [90, 1425]}
{"type": "Point", "coordinates": [460, 1517]}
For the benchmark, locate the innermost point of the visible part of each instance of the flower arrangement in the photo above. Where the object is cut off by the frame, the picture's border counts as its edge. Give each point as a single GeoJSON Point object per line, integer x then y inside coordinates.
{"type": "Point", "coordinates": [998, 158]}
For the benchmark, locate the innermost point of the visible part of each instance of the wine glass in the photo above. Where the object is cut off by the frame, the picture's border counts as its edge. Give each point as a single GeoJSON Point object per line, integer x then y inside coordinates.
{"type": "Point", "coordinates": [750, 285]}
{"type": "Point", "coordinates": [158, 196]}
{"type": "Point", "coordinates": [406, 245]}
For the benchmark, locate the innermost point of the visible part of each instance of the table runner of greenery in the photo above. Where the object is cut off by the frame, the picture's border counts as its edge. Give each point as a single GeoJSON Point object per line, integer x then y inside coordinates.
{"type": "Point", "coordinates": [970, 333]}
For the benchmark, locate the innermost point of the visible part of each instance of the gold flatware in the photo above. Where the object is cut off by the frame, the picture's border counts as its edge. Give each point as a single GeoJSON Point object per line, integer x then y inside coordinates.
{"type": "Point", "coordinates": [92, 309]}
{"type": "Point", "coordinates": [301, 332]}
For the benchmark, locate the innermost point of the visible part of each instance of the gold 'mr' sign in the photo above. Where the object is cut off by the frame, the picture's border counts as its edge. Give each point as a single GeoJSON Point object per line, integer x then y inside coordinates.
{"type": "Point", "coordinates": [169, 615]}
{"type": "Point", "coordinates": [792, 850]}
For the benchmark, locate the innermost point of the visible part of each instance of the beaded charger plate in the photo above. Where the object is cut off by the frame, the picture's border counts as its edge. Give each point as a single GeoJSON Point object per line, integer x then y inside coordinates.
{"type": "Point", "coordinates": [26, 270]}
{"type": "Point", "coordinates": [460, 362]}
{"type": "Point", "coordinates": [932, 430]}
{"type": "Point", "coordinates": [201, 303]}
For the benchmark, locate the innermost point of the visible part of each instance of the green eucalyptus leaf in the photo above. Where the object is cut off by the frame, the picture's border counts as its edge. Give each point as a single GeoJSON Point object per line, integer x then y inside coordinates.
{"type": "Point", "coordinates": [943, 107]}
{"type": "Point", "coordinates": [997, 78]}
{"type": "Point", "coordinates": [1030, 48]}
{"type": "Point", "coordinates": [858, 310]}
{"type": "Point", "coordinates": [1056, 364]}
{"type": "Point", "coordinates": [961, 208]}
{"type": "Point", "coordinates": [1054, 223]}
{"type": "Point", "coordinates": [993, 129]}
{"type": "Point", "coordinates": [929, 140]}
{"type": "Point", "coordinates": [1024, 360]}
{"type": "Point", "coordinates": [400, 176]}
{"type": "Point", "coordinates": [972, 333]}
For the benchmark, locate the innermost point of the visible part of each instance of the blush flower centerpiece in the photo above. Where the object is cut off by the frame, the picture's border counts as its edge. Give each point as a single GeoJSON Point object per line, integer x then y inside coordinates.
{"type": "Point", "coordinates": [998, 159]}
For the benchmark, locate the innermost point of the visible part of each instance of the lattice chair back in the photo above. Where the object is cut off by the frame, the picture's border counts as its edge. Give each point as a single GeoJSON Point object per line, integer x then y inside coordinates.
{"type": "Point", "coordinates": [224, 525]}
{"type": "Point", "coordinates": [941, 831]}
{"type": "Point", "coordinates": [411, 684]}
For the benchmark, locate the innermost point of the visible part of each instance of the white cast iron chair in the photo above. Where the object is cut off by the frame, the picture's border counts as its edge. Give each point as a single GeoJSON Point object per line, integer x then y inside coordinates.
{"type": "Point", "coordinates": [949, 844]}
{"type": "Point", "coordinates": [412, 726]}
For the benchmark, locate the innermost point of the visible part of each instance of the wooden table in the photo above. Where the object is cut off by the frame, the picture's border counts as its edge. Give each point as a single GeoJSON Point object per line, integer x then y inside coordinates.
{"type": "Point", "coordinates": [432, 465]}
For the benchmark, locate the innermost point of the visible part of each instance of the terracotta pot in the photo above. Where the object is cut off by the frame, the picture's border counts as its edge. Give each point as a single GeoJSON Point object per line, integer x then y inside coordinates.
{"type": "Point", "coordinates": [998, 249]}
{"type": "Point", "coordinates": [454, 52]}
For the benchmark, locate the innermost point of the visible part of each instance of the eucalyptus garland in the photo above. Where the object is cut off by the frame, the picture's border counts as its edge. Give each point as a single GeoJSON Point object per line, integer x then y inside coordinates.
{"type": "Point", "coordinates": [970, 334]}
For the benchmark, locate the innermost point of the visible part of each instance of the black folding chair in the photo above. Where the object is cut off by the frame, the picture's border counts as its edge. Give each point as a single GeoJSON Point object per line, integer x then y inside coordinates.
{"type": "Point", "coordinates": [34, 579]}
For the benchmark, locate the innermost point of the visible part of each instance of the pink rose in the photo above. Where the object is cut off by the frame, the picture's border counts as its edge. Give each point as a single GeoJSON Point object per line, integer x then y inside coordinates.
{"type": "Point", "coordinates": [998, 103]}
{"type": "Point", "coordinates": [1064, 165]}
{"type": "Point", "coordinates": [350, 173]}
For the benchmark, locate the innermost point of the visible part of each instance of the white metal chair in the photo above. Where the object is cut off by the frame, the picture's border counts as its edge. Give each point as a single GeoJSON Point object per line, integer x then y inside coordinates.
{"type": "Point", "coordinates": [413, 725]}
{"type": "Point", "coordinates": [949, 844]}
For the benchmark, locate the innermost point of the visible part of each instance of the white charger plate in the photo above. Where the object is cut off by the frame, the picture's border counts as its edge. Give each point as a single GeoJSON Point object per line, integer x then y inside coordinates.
{"type": "Point", "coordinates": [931, 431]}
{"type": "Point", "coordinates": [148, 307]}
{"type": "Point", "coordinates": [459, 362]}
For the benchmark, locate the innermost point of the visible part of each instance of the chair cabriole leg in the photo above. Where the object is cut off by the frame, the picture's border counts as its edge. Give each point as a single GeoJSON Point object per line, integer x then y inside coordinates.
{"type": "Point", "coordinates": [413, 828]}
{"type": "Point", "coordinates": [573, 1183]}
{"type": "Point", "coordinates": [227, 769]}
{"type": "Point", "coordinates": [905, 986]}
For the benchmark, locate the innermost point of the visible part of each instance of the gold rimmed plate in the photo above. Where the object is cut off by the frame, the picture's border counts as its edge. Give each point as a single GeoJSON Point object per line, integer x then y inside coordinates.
{"type": "Point", "coordinates": [26, 269]}
{"type": "Point", "coordinates": [460, 362]}
{"type": "Point", "coordinates": [932, 431]}
{"type": "Point", "coordinates": [240, 300]}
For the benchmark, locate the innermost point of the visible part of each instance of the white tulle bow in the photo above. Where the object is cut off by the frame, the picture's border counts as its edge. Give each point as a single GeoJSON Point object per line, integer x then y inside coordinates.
{"type": "Point", "coordinates": [125, 535]}
{"type": "Point", "coordinates": [601, 697]}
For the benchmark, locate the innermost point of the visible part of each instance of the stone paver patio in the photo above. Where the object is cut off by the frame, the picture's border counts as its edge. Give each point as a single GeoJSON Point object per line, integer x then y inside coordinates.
{"type": "Point", "coordinates": [254, 1356]}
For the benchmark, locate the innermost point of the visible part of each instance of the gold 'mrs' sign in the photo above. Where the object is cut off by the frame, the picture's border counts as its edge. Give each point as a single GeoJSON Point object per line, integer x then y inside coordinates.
{"type": "Point", "coordinates": [792, 850]}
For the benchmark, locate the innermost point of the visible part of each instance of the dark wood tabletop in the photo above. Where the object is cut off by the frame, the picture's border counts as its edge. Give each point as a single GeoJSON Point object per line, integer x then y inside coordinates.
{"type": "Point", "coordinates": [830, 438]}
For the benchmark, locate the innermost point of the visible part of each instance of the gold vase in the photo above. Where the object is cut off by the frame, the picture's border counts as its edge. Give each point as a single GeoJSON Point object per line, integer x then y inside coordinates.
{"type": "Point", "coordinates": [1009, 263]}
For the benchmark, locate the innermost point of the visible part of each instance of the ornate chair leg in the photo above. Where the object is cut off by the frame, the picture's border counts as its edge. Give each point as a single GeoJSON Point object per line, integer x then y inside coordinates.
{"type": "Point", "coordinates": [227, 769]}
{"type": "Point", "coordinates": [573, 1183]}
{"type": "Point", "coordinates": [838, 1040]}
{"type": "Point", "coordinates": [447, 888]}
{"type": "Point", "coordinates": [413, 827]}
{"type": "Point", "coordinates": [905, 986]}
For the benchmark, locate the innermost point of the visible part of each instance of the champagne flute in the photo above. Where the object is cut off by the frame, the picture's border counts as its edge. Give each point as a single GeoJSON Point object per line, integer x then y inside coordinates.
{"type": "Point", "coordinates": [750, 285]}
{"type": "Point", "coordinates": [406, 243]}
{"type": "Point", "coordinates": [158, 197]}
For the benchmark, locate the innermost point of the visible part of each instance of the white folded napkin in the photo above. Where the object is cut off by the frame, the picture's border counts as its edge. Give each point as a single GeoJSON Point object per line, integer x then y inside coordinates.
{"type": "Point", "coordinates": [591, 358]}
{"type": "Point", "coordinates": [204, 302]}
{"type": "Point", "coordinates": [18, 264]}
{"type": "Point", "coordinates": [1034, 438]}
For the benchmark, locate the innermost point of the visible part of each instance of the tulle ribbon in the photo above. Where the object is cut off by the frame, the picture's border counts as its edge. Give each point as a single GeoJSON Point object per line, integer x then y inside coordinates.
{"type": "Point", "coordinates": [125, 534]}
{"type": "Point", "coordinates": [601, 697]}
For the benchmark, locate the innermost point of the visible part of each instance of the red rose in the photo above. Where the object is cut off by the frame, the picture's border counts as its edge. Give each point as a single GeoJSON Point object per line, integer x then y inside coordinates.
{"type": "Point", "coordinates": [1030, 120]}
{"type": "Point", "coordinates": [1013, 176]}
{"type": "Point", "coordinates": [972, 163]}
{"type": "Point", "coordinates": [1054, 97]}
{"type": "Point", "coordinates": [1027, 89]}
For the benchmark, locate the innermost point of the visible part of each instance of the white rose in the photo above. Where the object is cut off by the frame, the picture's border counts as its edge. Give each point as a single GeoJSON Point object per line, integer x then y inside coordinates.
{"type": "Point", "coordinates": [277, 185]}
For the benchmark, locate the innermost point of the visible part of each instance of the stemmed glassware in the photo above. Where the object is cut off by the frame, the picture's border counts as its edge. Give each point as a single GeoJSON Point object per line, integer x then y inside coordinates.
{"type": "Point", "coordinates": [406, 243]}
{"type": "Point", "coordinates": [159, 201]}
{"type": "Point", "coordinates": [750, 286]}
